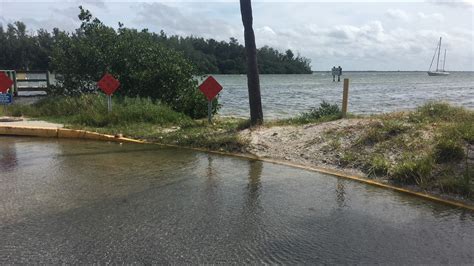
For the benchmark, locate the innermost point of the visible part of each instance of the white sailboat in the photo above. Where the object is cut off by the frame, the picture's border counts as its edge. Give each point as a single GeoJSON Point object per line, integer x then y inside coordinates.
{"type": "Point", "coordinates": [438, 72]}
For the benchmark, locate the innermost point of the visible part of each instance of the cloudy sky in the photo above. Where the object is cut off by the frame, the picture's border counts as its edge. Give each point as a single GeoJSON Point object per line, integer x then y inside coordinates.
{"type": "Point", "coordinates": [358, 35]}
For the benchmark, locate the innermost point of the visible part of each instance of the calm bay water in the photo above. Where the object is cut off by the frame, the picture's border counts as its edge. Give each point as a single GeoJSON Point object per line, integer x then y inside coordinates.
{"type": "Point", "coordinates": [83, 202]}
{"type": "Point", "coordinates": [370, 92]}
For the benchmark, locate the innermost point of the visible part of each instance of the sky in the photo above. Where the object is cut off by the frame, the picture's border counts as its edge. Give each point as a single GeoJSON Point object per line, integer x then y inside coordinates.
{"type": "Point", "coordinates": [357, 35]}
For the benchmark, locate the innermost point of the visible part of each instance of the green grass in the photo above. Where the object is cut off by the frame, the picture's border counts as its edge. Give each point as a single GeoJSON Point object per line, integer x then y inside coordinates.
{"type": "Point", "coordinates": [378, 165]}
{"type": "Point", "coordinates": [412, 170]}
{"type": "Point", "coordinates": [436, 112]}
{"type": "Point", "coordinates": [448, 150]}
{"type": "Point", "coordinates": [91, 110]}
{"type": "Point", "coordinates": [426, 147]}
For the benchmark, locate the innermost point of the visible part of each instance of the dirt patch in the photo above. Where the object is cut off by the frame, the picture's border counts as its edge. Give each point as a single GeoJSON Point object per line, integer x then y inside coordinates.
{"type": "Point", "coordinates": [312, 144]}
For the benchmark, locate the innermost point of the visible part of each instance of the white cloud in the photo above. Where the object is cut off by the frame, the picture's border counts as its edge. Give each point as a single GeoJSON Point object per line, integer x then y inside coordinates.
{"type": "Point", "coordinates": [97, 3]}
{"type": "Point", "coordinates": [157, 16]}
{"type": "Point", "coordinates": [266, 30]}
{"type": "Point", "coordinates": [434, 16]}
{"type": "Point", "coordinates": [398, 14]}
{"type": "Point", "coordinates": [454, 3]}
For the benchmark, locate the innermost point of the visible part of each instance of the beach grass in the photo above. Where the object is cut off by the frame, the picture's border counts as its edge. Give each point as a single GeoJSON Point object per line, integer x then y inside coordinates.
{"type": "Point", "coordinates": [427, 147]}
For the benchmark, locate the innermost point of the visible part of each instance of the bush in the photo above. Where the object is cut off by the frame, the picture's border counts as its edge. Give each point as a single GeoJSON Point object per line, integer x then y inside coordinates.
{"type": "Point", "coordinates": [378, 166]}
{"type": "Point", "coordinates": [348, 158]}
{"type": "Point", "coordinates": [448, 150]}
{"type": "Point", "coordinates": [413, 170]}
{"type": "Point", "coordinates": [324, 110]}
{"type": "Point", "coordinates": [324, 113]}
{"type": "Point", "coordinates": [144, 67]}
{"type": "Point", "coordinates": [458, 131]}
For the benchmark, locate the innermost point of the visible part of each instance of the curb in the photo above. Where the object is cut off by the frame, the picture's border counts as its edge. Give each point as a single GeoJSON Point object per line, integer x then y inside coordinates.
{"type": "Point", "coordinates": [84, 134]}
{"type": "Point", "coordinates": [48, 132]}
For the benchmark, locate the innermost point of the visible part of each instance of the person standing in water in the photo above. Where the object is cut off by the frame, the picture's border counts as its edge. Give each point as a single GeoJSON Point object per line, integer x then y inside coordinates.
{"type": "Point", "coordinates": [339, 73]}
{"type": "Point", "coordinates": [334, 72]}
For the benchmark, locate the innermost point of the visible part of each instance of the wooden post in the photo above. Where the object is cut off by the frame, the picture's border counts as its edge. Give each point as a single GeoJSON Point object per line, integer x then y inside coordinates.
{"type": "Point", "coordinates": [345, 98]}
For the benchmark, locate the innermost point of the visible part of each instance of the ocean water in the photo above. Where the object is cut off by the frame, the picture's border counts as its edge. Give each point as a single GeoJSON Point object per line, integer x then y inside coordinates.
{"type": "Point", "coordinates": [369, 92]}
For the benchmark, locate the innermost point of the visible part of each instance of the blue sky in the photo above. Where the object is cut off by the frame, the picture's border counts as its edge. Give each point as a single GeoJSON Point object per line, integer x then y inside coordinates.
{"type": "Point", "coordinates": [358, 35]}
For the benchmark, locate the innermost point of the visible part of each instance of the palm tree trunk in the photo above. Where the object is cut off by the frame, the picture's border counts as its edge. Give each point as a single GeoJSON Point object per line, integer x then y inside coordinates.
{"type": "Point", "coordinates": [253, 82]}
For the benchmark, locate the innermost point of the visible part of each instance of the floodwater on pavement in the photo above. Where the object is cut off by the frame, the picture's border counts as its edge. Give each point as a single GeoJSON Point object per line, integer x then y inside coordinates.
{"type": "Point", "coordinates": [70, 201]}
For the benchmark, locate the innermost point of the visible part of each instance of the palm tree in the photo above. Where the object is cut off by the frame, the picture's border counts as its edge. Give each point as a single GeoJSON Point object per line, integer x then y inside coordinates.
{"type": "Point", "coordinates": [253, 82]}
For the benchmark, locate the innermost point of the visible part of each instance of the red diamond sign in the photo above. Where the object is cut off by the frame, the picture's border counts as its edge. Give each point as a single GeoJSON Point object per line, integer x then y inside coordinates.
{"type": "Point", "coordinates": [108, 84]}
{"type": "Point", "coordinates": [5, 82]}
{"type": "Point", "coordinates": [210, 87]}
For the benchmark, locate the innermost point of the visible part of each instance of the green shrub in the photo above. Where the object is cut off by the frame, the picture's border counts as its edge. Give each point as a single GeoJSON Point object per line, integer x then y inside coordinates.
{"type": "Point", "coordinates": [378, 166]}
{"type": "Point", "coordinates": [348, 158]}
{"type": "Point", "coordinates": [459, 131]}
{"type": "Point", "coordinates": [448, 150]}
{"type": "Point", "coordinates": [324, 113]}
{"type": "Point", "coordinates": [324, 110]}
{"type": "Point", "coordinates": [466, 130]}
{"type": "Point", "coordinates": [412, 170]}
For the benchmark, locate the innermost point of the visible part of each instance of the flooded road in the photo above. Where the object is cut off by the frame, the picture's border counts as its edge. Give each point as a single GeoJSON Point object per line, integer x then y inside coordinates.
{"type": "Point", "coordinates": [67, 201]}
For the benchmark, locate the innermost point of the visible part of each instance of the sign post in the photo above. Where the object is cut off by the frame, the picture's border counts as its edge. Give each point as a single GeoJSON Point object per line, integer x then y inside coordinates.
{"type": "Point", "coordinates": [210, 87]}
{"type": "Point", "coordinates": [108, 84]}
{"type": "Point", "coordinates": [109, 103]}
{"type": "Point", "coordinates": [5, 84]}
{"type": "Point", "coordinates": [209, 111]}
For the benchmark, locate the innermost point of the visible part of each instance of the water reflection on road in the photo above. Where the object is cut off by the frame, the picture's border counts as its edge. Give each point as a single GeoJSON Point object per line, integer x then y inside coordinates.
{"type": "Point", "coordinates": [86, 202]}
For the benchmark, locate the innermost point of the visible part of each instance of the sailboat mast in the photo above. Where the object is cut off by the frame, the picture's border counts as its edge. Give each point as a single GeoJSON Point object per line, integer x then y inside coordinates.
{"type": "Point", "coordinates": [439, 51]}
{"type": "Point", "coordinates": [444, 60]}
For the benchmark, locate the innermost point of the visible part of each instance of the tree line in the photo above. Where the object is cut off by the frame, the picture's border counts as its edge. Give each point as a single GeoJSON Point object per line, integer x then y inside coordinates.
{"type": "Point", "coordinates": [34, 51]}
{"type": "Point", "coordinates": [222, 57]}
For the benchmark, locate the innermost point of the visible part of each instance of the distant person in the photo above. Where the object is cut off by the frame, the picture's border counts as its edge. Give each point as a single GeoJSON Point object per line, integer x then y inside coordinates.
{"type": "Point", "coordinates": [339, 73]}
{"type": "Point", "coordinates": [334, 72]}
